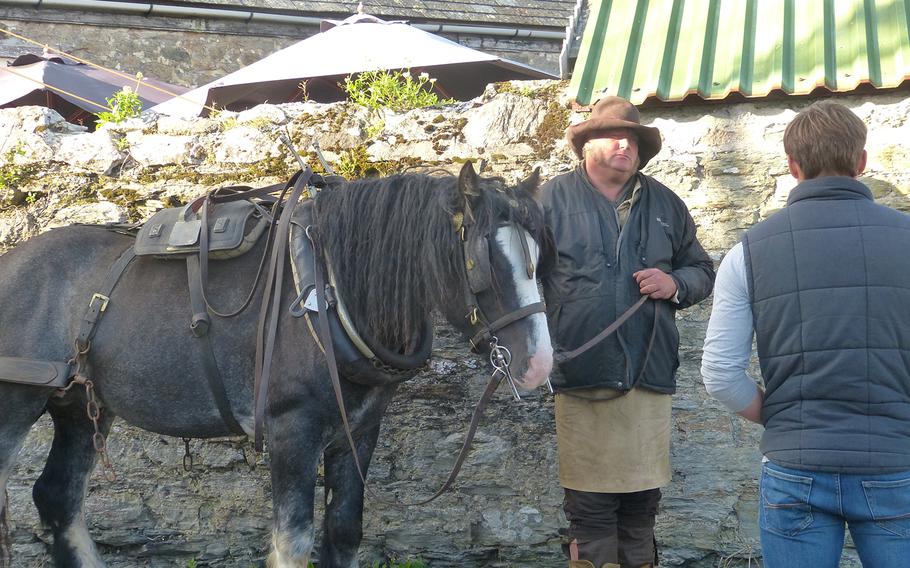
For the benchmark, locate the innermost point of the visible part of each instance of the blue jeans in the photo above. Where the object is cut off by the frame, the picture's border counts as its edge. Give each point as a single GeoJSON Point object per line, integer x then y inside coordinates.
{"type": "Point", "coordinates": [802, 516]}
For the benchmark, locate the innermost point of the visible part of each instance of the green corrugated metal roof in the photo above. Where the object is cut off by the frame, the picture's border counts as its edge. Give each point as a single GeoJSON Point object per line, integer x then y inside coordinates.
{"type": "Point", "coordinates": [668, 49]}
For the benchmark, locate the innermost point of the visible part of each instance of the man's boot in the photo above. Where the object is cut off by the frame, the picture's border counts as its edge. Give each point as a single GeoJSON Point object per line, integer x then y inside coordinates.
{"type": "Point", "coordinates": [580, 564]}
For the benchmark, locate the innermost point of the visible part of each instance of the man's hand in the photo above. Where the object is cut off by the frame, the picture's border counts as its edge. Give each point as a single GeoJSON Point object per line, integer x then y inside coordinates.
{"type": "Point", "coordinates": [655, 283]}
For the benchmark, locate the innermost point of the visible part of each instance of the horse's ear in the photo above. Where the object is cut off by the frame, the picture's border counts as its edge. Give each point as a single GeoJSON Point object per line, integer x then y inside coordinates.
{"type": "Point", "coordinates": [468, 180]}
{"type": "Point", "coordinates": [531, 184]}
{"type": "Point", "coordinates": [468, 187]}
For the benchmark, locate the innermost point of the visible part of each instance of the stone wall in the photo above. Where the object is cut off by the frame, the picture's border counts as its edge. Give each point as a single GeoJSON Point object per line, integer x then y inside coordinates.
{"type": "Point", "coordinates": [191, 52]}
{"type": "Point", "coordinates": [725, 160]}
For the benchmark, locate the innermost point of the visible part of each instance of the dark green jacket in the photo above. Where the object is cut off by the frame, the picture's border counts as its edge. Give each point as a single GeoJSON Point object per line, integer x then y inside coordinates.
{"type": "Point", "coordinates": [591, 283]}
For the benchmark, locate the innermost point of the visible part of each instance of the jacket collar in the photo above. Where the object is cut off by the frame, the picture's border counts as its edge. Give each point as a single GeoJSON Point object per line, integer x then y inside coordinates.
{"type": "Point", "coordinates": [831, 187]}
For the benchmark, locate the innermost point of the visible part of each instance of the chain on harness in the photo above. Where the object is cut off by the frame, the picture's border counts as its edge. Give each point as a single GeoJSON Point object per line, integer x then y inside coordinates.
{"type": "Point", "coordinates": [92, 407]}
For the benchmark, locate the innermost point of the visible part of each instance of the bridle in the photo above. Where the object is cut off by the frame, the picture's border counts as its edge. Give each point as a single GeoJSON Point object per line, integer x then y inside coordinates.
{"type": "Point", "coordinates": [479, 279]}
{"type": "Point", "coordinates": [478, 266]}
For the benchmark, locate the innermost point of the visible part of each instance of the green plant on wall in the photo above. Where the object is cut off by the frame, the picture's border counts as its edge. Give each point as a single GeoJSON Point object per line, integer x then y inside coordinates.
{"type": "Point", "coordinates": [393, 90]}
{"type": "Point", "coordinates": [124, 104]}
{"type": "Point", "coordinates": [13, 176]}
{"type": "Point", "coordinates": [354, 163]}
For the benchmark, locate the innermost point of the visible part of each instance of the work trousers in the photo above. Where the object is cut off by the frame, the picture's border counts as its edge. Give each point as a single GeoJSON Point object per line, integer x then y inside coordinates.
{"type": "Point", "coordinates": [612, 528]}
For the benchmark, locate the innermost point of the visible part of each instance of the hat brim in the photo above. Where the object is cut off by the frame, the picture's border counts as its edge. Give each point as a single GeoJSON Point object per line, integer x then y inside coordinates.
{"type": "Point", "coordinates": [649, 142]}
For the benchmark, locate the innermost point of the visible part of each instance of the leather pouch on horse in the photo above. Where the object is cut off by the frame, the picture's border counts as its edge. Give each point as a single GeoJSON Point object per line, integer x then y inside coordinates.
{"type": "Point", "coordinates": [234, 227]}
{"type": "Point", "coordinates": [357, 362]}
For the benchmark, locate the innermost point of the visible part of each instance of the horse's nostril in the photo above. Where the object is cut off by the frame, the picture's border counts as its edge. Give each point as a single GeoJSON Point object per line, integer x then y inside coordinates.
{"type": "Point", "coordinates": [539, 367]}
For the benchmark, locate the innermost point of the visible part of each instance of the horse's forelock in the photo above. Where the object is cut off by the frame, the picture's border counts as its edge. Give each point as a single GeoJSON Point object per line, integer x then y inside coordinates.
{"type": "Point", "coordinates": [511, 204]}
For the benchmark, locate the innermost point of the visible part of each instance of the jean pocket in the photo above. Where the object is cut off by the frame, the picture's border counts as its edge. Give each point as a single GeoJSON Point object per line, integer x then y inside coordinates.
{"type": "Point", "coordinates": [889, 502]}
{"type": "Point", "coordinates": [785, 508]}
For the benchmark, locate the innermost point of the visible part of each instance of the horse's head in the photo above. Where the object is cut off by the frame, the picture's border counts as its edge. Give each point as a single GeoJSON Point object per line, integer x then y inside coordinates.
{"type": "Point", "coordinates": [498, 304]}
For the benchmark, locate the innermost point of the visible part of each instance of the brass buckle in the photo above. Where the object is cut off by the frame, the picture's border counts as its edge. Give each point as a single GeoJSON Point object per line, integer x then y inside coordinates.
{"type": "Point", "coordinates": [104, 301]}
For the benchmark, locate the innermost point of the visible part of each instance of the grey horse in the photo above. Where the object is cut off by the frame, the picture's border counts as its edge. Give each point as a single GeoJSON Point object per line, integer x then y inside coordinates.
{"type": "Point", "coordinates": [403, 258]}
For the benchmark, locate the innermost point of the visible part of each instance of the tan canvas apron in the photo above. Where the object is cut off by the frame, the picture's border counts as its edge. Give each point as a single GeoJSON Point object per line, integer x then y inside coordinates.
{"type": "Point", "coordinates": [619, 445]}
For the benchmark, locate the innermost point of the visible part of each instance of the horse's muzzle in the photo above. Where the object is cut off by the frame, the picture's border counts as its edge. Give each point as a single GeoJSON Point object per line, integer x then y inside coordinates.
{"type": "Point", "coordinates": [539, 367]}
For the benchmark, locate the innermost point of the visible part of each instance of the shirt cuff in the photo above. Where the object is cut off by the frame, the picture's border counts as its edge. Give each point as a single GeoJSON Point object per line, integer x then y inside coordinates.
{"type": "Point", "coordinates": [675, 298]}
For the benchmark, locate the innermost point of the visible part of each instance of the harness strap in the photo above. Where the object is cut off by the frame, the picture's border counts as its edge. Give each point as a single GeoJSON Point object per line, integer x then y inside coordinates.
{"type": "Point", "coordinates": [200, 323]}
{"type": "Point", "coordinates": [329, 350]}
{"type": "Point", "coordinates": [489, 329]}
{"type": "Point", "coordinates": [234, 193]}
{"type": "Point", "coordinates": [525, 251]}
{"type": "Point", "coordinates": [98, 304]}
{"type": "Point", "coordinates": [200, 328]}
{"type": "Point", "coordinates": [203, 273]}
{"type": "Point", "coordinates": [269, 312]}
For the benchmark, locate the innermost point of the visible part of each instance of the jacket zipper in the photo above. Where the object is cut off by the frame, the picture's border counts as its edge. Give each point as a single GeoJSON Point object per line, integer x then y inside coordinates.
{"type": "Point", "coordinates": [616, 257]}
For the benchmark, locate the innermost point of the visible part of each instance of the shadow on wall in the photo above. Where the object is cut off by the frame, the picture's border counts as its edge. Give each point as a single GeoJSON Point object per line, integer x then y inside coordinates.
{"type": "Point", "coordinates": [886, 193]}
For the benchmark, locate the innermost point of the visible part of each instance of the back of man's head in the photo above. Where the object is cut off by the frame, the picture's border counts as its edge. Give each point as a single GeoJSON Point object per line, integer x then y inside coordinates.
{"type": "Point", "coordinates": [826, 138]}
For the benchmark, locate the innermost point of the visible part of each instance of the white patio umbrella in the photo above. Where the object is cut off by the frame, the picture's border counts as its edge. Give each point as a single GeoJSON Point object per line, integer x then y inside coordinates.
{"type": "Point", "coordinates": [360, 43]}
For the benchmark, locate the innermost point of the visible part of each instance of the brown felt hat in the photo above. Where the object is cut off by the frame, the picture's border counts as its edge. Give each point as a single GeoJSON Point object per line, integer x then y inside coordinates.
{"type": "Point", "coordinates": [615, 112]}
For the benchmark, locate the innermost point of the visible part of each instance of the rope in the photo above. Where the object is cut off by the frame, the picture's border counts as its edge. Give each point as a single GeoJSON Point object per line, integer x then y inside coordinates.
{"type": "Point", "coordinates": [48, 48]}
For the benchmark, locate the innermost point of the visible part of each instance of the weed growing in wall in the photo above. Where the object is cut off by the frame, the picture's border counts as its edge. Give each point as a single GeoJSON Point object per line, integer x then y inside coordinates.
{"type": "Point", "coordinates": [393, 90]}
{"type": "Point", "coordinates": [123, 105]}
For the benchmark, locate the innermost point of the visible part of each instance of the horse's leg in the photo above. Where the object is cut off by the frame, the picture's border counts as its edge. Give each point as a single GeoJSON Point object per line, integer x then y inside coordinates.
{"type": "Point", "coordinates": [293, 468]}
{"type": "Point", "coordinates": [344, 502]}
{"type": "Point", "coordinates": [20, 407]}
{"type": "Point", "coordinates": [60, 491]}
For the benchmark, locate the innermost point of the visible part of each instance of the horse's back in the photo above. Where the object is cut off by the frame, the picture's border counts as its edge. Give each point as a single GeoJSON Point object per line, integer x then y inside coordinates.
{"type": "Point", "coordinates": [45, 285]}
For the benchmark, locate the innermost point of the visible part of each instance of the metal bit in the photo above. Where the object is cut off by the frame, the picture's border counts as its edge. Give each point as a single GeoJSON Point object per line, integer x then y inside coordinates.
{"type": "Point", "coordinates": [500, 358]}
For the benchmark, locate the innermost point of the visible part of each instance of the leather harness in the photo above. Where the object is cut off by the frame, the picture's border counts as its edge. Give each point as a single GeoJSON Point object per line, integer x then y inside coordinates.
{"type": "Point", "coordinates": [475, 249]}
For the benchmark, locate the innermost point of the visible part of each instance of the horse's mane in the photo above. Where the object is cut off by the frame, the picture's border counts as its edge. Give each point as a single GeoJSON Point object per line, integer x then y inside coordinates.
{"type": "Point", "coordinates": [395, 249]}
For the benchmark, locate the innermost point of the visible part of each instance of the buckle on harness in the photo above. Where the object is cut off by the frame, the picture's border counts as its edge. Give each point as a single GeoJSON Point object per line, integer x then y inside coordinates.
{"type": "Point", "coordinates": [104, 301]}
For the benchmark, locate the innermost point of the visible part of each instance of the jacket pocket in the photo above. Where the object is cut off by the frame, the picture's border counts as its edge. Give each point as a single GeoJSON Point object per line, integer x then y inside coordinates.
{"type": "Point", "coordinates": [889, 502]}
{"type": "Point", "coordinates": [785, 508]}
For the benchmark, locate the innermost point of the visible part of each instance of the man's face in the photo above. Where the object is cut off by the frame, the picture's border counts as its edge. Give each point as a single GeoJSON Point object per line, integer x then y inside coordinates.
{"type": "Point", "coordinates": [615, 149]}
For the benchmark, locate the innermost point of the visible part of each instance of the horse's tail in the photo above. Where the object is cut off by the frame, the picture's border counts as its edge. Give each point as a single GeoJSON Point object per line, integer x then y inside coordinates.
{"type": "Point", "coordinates": [6, 545]}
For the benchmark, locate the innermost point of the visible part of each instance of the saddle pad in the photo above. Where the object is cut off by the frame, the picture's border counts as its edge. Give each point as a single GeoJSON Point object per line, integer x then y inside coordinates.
{"type": "Point", "coordinates": [234, 227]}
{"type": "Point", "coordinates": [31, 372]}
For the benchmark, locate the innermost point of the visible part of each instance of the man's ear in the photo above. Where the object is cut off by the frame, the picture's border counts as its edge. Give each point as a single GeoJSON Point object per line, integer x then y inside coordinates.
{"type": "Point", "coordinates": [794, 168]}
{"type": "Point", "coordinates": [861, 165]}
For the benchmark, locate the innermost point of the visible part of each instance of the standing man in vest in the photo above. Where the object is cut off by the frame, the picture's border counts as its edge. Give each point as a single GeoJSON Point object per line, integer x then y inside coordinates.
{"type": "Point", "coordinates": [825, 284]}
{"type": "Point", "coordinates": [620, 235]}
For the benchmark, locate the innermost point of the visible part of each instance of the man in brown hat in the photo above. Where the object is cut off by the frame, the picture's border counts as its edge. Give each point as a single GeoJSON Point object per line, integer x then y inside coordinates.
{"type": "Point", "coordinates": [620, 235]}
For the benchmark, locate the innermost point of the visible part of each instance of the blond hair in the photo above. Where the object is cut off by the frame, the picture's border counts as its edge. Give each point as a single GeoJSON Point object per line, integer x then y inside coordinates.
{"type": "Point", "coordinates": [826, 138]}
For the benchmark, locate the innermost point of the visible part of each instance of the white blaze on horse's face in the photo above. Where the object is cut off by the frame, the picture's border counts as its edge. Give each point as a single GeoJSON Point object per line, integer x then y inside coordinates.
{"type": "Point", "coordinates": [540, 351]}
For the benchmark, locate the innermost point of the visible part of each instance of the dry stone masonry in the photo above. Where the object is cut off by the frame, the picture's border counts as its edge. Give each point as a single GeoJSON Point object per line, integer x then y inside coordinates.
{"type": "Point", "coordinates": [725, 160]}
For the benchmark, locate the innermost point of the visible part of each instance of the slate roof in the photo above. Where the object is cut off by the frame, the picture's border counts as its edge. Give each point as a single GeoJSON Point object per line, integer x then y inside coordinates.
{"type": "Point", "coordinates": [501, 13]}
